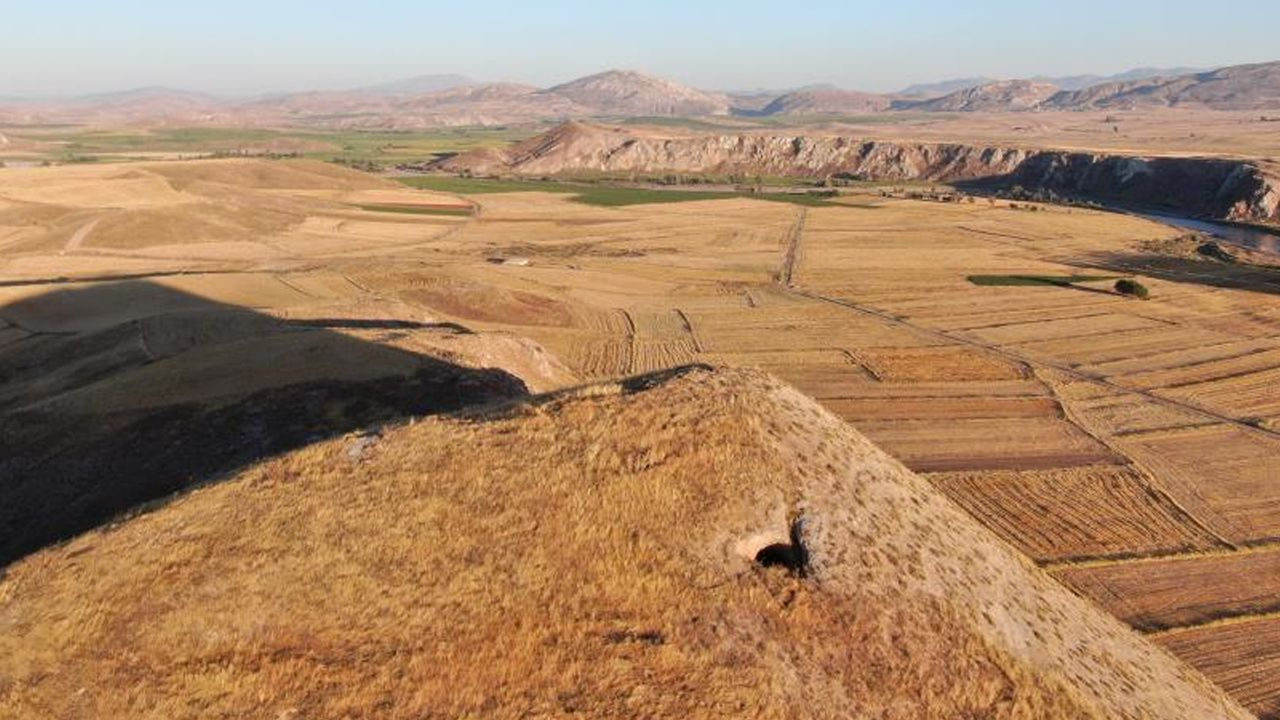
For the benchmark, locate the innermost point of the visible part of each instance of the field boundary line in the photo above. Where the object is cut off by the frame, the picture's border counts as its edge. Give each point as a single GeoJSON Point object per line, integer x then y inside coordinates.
{"type": "Point", "coordinates": [357, 285]}
{"type": "Point", "coordinates": [1007, 354]}
{"type": "Point", "coordinates": [1214, 623]}
{"type": "Point", "coordinates": [1158, 556]}
{"type": "Point", "coordinates": [295, 288]}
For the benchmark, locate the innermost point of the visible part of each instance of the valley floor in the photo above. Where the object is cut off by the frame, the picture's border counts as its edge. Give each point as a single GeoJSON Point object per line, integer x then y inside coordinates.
{"type": "Point", "coordinates": [1126, 446]}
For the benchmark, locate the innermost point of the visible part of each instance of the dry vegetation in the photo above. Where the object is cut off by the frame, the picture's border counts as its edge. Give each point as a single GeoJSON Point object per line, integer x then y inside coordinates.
{"type": "Point", "coordinates": [590, 552]}
{"type": "Point", "coordinates": [1088, 430]}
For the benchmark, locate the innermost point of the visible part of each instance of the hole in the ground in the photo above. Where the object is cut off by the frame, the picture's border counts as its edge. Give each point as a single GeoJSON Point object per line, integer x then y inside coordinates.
{"type": "Point", "coordinates": [793, 555]}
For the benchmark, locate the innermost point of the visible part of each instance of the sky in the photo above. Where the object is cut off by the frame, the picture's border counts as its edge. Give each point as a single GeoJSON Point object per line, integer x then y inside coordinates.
{"type": "Point", "coordinates": [241, 48]}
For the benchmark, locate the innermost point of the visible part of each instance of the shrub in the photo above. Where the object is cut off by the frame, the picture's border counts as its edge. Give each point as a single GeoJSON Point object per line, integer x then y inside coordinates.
{"type": "Point", "coordinates": [1215, 251]}
{"type": "Point", "coordinates": [1128, 286]}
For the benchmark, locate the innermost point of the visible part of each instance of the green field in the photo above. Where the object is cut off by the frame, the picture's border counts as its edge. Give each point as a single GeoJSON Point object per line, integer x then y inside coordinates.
{"type": "Point", "coordinates": [418, 210]}
{"type": "Point", "coordinates": [601, 195]}
{"type": "Point", "coordinates": [1037, 280]}
{"type": "Point", "coordinates": [380, 147]}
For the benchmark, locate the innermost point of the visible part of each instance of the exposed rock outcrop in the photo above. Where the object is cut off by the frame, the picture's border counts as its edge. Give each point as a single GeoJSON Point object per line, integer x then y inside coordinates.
{"type": "Point", "coordinates": [1219, 188]}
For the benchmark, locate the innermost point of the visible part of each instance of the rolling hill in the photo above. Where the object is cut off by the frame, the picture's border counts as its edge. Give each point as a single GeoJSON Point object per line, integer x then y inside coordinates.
{"type": "Point", "coordinates": [452, 100]}
{"type": "Point", "coordinates": [630, 93]}
{"type": "Point", "coordinates": [995, 96]}
{"type": "Point", "coordinates": [1066, 82]}
{"type": "Point", "coordinates": [699, 542]}
{"type": "Point", "coordinates": [1240, 87]}
{"type": "Point", "coordinates": [826, 102]}
{"type": "Point", "coordinates": [421, 84]}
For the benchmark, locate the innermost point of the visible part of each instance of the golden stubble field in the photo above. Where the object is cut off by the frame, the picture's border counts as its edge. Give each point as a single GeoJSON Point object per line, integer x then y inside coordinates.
{"type": "Point", "coordinates": [1118, 443]}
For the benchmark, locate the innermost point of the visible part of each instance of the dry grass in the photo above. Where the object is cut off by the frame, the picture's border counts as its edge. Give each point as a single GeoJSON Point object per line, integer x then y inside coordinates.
{"type": "Point", "coordinates": [583, 555]}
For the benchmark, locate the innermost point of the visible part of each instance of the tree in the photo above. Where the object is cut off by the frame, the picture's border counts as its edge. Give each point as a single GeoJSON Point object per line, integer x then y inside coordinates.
{"type": "Point", "coordinates": [1131, 287]}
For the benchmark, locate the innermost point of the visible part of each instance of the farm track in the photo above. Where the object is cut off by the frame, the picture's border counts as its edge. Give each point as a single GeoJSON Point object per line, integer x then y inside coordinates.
{"type": "Point", "coordinates": [688, 328]}
{"type": "Point", "coordinates": [77, 239]}
{"type": "Point", "coordinates": [792, 254]}
{"type": "Point", "coordinates": [633, 343]}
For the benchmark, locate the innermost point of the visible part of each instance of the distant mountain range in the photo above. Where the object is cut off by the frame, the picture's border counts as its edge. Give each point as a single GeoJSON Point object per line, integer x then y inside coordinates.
{"type": "Point", "coordinates": [453, 100]}
{"type": "Point", "coordinates": [419, 85]}
{"type": "Point", "coordinates": [1001, 95]}
{"type": "Point", "coordinates": [1240, 87]}
{"type": "Point", "coordinates": [1068, 82]}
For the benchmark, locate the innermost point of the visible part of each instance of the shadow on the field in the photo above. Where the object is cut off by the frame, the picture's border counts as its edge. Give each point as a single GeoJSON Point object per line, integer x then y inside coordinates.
{"type": "Point", "coordinates": [1185, 270]}
{"type": "Point", "coordinates": [129, 392]}
{"type": "Point", "coordinates": [1196, 187]}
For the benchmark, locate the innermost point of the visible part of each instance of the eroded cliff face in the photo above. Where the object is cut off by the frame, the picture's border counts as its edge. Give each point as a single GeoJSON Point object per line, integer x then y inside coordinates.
{"type": "Point", "coordinates": [1210, 187]}
{"type": "Point", "coordinates": [1218, 188]}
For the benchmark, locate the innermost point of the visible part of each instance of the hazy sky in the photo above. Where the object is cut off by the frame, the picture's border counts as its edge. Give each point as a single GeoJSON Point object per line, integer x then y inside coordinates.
{"type": "Point", "coordinates": [50, 47]}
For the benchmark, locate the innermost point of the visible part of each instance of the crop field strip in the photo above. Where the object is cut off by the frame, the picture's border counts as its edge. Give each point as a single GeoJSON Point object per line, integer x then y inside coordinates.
{"type": "Point", "coordinates": [1063, 515]}
{"type": "Point", "coordinates": [1135, 520]}
{"type": "Point", "coordinates": [1242, 656]}
{"type": "Point", "coordinates": [1011, 354]}
{"type": "Point", "coordinates": [1183, 592]}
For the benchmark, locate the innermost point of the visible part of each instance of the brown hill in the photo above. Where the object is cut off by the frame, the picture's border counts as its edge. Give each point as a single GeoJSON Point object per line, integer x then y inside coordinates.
{"type": "Point", "coordinates": [614, 93]}
{"type": "Point", "coordinates": [155, 104]}
{"type": "Point", "coordinates": [1240, 87]}
{"type": "Point", "coordinates": [698, 544]}
{"type": "Point", "coordinates": [305, 108]}
{"type": "Point", "coordinates": [630, 93]}
{"type": "Point", "coordinates": [989, 97]}
{"type": "Point", "coordinates": [826, 102]}
{"type": "Point", "coordinates": [487, 104]}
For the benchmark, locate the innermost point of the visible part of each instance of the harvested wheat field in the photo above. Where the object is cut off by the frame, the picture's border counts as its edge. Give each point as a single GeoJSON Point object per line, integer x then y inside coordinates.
{"type": "Point", "coordinates": [592, 552]}
{"type": "Point", "coordinates": [1086, 429]}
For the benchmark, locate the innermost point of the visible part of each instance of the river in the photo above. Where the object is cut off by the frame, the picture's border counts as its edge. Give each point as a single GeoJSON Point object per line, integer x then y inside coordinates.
{"type": "Point", "coordinates": [1252, 238]}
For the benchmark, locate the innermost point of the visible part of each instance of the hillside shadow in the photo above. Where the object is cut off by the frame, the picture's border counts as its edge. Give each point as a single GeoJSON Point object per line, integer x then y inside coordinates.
{"type": "Point", "coordinates": [166, 391]}
{"type": "Point", "coordinates": [1182, 186]}
{"type": "Point", "coordinates": [1184, 270]}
